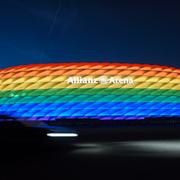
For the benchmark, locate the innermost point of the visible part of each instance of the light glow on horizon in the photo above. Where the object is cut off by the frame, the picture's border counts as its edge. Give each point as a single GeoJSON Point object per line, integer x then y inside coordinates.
{"type": "Point", "coordinates": [62, 134]}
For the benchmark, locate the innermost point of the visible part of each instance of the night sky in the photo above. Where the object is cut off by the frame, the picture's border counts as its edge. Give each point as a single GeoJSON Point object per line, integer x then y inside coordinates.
{"type": "Point", "coordinates": [43, 31]}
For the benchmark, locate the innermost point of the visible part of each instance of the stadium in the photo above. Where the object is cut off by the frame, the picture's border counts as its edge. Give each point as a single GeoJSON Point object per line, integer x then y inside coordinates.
{"type": "Point", "coordinates": [42, 92]}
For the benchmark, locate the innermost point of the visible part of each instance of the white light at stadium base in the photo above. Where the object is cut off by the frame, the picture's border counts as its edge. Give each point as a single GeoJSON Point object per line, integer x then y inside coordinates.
{"type": "Point", "coordinates": [62, 134]}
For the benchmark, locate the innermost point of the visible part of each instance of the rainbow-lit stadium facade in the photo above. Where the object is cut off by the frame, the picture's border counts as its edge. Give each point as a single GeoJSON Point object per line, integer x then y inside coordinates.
{"type": "Point", "coordinates": [42, 91]}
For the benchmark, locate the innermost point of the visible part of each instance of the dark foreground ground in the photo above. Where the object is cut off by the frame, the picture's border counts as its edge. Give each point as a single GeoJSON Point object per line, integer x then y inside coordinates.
{"type": "Point", "coordinates": [113, 153]}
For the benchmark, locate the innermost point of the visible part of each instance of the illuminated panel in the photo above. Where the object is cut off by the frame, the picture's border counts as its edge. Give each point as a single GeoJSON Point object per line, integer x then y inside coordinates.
{"type": "Point", "coordinates": [102, 91]}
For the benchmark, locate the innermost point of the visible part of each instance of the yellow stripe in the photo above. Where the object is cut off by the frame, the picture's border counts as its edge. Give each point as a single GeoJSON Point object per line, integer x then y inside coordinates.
{"type": "Point", "coordinates": [60, 85]}
{"type": "Point", "coordinates": [59, 79]}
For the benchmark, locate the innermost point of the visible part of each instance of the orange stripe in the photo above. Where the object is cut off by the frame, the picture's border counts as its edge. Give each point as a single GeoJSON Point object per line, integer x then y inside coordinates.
{"type": "Point", "coordinates": [43, 73]}
{"type": "Point", "coordinates": [87, 65]}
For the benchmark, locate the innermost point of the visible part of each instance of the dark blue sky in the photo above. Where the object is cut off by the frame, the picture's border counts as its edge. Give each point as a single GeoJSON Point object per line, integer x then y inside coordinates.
{"type": "Point", "coordinates": [42, 31]}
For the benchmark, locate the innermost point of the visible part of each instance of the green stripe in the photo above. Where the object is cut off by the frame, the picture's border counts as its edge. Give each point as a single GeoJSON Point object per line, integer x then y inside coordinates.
{"type": "Point", "coordinates": [90, 98]}
{"type": "Point", "coordinates": [90, 91]}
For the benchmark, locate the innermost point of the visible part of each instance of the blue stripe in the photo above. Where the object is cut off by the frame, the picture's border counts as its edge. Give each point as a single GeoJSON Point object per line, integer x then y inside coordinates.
{"type": "Point", "coordinates": [97, 109]}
